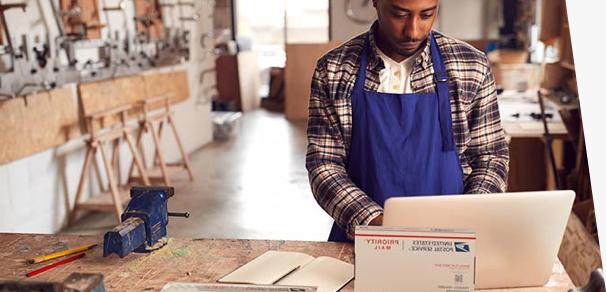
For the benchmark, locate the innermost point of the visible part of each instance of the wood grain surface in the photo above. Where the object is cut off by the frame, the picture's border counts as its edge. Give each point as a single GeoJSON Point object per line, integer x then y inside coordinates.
{"type": "Point", "coordinates": [184, 260]}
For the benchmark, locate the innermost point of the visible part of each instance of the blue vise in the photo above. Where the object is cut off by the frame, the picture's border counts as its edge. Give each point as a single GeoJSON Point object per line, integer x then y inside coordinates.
{"type": "Point", "coordinates": [144, 221]}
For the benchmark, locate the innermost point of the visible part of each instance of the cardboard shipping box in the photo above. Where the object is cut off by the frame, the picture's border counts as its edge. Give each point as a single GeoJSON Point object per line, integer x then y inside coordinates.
{"type": "Point", "coordinates": [406, 259]}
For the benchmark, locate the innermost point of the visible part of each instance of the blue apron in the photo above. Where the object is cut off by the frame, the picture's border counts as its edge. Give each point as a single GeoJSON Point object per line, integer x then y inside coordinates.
{"type": "Point", "coordinates": [402, 144]}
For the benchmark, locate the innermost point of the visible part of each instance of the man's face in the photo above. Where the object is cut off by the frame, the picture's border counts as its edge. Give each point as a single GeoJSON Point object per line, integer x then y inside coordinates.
{"type": "Point", "coordinates": [405, 24]}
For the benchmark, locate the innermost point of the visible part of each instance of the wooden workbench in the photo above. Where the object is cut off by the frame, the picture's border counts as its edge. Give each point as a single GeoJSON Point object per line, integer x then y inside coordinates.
{"type": "Point", "coordinates": [529, 164]}
{"type": "Point", "coordinates": [184, 260]}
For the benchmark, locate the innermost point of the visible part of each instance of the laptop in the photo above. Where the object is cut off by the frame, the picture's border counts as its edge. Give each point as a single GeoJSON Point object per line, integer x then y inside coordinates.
{"type": "Point", "coordinates": [518, 234]}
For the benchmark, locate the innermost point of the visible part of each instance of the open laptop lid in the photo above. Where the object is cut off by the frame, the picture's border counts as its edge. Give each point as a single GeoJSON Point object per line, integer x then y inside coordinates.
{"type": "Point", "coordinates": [518, 234]}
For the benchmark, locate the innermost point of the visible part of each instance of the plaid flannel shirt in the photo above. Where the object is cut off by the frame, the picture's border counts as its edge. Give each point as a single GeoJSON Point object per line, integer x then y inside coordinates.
{"type": "Point", "coordinates": [480, 139]}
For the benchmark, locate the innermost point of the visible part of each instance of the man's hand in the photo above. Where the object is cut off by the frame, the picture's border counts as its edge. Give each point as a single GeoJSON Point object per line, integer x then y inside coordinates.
{"type": "Point", "coordinates": [377, 221]}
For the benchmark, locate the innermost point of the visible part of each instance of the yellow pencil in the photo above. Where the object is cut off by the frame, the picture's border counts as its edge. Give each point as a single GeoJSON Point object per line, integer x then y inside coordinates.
{"type": "Point", "coordinates": [58, 254]}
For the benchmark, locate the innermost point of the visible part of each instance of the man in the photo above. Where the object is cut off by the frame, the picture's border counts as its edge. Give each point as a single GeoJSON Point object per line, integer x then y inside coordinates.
{"type": "Point", "coordinates": [401, 110]}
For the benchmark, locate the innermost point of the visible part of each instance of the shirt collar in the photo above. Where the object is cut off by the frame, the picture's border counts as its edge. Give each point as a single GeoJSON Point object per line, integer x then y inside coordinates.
{"type": "Point", "coordinates": [423, 59]}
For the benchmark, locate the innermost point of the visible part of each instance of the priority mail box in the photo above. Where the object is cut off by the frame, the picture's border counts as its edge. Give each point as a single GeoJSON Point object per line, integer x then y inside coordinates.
{"type": "Point", "coordinates": [405, 259]}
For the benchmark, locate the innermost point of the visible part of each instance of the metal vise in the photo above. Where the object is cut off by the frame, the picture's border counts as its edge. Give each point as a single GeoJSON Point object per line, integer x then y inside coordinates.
{"type": "Point", "coordinates": [144, 221]}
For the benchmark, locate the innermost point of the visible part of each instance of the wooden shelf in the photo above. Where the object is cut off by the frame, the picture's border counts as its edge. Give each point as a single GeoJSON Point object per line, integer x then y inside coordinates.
{"type": "Point", "coordinates": [104, 201]}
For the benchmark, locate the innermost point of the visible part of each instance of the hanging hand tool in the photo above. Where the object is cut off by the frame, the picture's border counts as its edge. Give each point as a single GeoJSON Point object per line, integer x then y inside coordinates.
{"type": "Point", "coordinates": [9, 40]}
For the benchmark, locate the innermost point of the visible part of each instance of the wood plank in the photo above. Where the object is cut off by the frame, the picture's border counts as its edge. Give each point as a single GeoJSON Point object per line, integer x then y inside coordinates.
{"type": "Point", "coordinates": [300, 65]}
{"type": "Point", "coordinates": [152, 10]}
{"type": "Point", "coordinates": [108, 94]}
{"type": "Point", "coordinates": [109, 134]}
{"type": "Point", "coordinates": [248, 75]}
{"type": "Point", "coordinates": [184, 260]}
{"type": "Point", "coordinates": [109, 112]}
{"type": "Point", "coordinates": [89, 15]}
{"type": "Point", "coordinates": [174, 83]}
{"type": "Point", "coordinates": [37, 122]}
{"type": "Point", "coordinates": [579, 253]}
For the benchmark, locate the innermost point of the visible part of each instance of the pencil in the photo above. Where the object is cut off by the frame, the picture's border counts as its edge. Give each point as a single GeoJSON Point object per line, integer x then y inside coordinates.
{"type": "Point", "coordinates": [55, 264]}
{"type": "Point", "coordinates": [59, 254]}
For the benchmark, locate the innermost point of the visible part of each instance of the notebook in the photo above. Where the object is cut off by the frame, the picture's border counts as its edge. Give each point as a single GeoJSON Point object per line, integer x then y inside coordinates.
{"type": "Point", "coordinates": [293, 269]}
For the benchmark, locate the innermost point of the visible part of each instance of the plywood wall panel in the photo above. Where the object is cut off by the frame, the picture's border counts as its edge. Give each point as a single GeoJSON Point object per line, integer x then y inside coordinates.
{"type": "Point", "coordinates": [37, 122]}
{"type": "Point", "coordinates": [174, 83]}
{"type": "Point", "coordinates": [107, 94]}
{"type": "Point", "coordinates": [45, 120]}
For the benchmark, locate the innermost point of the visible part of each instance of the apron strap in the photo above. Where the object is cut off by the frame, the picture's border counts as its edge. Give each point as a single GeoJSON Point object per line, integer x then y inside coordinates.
{"type": "Point", "coordinates": [361, 75]}
{"type": "Point", "coordinates": [441, 79]}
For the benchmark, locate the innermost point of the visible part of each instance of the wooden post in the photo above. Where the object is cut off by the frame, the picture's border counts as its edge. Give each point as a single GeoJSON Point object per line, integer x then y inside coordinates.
{"type": "Point", "coordinates": [184, 155]}
{"type": "Point", "coordinates": [113, 135]}
{"type": "Point", "coordinates": [113, 187]}
{"type": "Point", "coordinates": [90, 152]}
{"type": "Point", "coordinates": [147, 123]}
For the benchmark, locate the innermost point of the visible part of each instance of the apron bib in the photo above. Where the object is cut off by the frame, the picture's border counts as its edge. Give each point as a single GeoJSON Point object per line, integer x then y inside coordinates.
{"type": "Point", "coordinates": [402, 144]}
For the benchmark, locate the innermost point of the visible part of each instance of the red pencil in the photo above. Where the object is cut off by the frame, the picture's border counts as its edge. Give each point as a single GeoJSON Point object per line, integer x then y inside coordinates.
{"type": "Point", "coordinates": [55, 264]}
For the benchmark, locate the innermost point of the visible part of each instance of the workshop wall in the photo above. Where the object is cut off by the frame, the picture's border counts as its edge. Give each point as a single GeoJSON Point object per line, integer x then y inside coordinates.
{"type": "Point", "coordinates": [37, 192]}
{"type": "Point", "coordinates": [342, 28]}
{"type": "Point", "coordinates": [481, 19]}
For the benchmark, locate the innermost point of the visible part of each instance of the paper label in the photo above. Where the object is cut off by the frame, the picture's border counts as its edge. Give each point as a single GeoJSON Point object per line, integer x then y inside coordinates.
{"type": "Point", "coordinates": [398, 259]}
